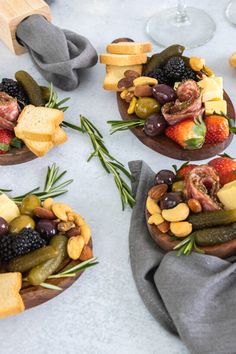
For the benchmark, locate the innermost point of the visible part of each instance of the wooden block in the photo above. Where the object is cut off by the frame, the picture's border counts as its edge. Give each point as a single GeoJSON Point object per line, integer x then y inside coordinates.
{"type": "Point", "coordinates": [13, 12]}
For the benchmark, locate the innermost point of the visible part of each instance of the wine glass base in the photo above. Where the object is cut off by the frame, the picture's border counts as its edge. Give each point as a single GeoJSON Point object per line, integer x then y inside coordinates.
{"type": "Point", "coordinates": [164, 29]}
{"type": "Point", "coordinates": [231, 12]}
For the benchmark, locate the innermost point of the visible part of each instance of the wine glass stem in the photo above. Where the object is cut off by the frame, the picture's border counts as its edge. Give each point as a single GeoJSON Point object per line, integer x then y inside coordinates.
{"type": "Point", "coordinates": [181, 14]}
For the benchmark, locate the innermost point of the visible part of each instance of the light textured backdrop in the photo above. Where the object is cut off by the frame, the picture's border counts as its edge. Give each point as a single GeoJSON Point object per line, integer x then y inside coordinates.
{"type": "Point", "coordinates": [102, 313]}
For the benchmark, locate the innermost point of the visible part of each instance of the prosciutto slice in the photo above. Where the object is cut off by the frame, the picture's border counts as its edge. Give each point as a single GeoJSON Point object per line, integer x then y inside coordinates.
{"type": "Point", "coordinates": [9, 111]}
{"type": "Point", "coordinates": [202, 183]}
{"type": "Point", "coordinates": [187, 106]}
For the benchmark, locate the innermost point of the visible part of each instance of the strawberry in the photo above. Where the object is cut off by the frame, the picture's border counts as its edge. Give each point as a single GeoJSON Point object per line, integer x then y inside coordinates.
{"type": "Point", "coordinates": [226, 168]}
{"type": "Point", "coordinates": [217, 129]}
{"type": "Point", "coordinates": [5, 140]}
{"type": "Point", "coordinates": [184, 170]}
{"type": "Point", "coordinates": [190, 134]}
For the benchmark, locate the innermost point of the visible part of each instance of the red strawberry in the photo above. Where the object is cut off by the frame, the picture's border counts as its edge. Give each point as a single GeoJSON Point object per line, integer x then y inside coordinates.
{"type": "Point", "coordinates": [226, 168]}
{"type": "Point", "coordinates": [190, 134]}
{"type": "Point", "coordinates": [184, 170]}
{"type": "Point", "coordinates": [5, 140]}
{"type": "Point", "coordinates": [217, 129]}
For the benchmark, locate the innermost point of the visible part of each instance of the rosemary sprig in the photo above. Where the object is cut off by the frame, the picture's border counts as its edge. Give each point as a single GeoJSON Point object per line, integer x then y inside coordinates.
{"type": "Point", "coordinates": [121, 125]}
{"type": "Point", "coordinates": [185, 247]}
{"type": "Point", "coordinates": [70, 272]}
{"type": "Point", "coordinates": [52, 187]}
{"type": "Point", "coordinates": [109, 163]}
{"type": "Point", "coordinates": [52, 103]}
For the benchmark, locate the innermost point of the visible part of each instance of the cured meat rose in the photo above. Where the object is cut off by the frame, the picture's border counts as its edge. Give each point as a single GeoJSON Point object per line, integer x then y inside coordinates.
{"type": "Point", "coordinates": [9, 111]}
{"type": "Point", "coordinates": [187, 106]}
{"type": "Point", "coordinates": [202, 183]}
{"type": "Point", "coordinates": [8, 107]}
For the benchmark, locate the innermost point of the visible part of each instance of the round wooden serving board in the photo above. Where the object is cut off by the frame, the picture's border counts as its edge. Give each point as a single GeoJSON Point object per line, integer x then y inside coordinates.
{"type": "Point", "coordinates": [167, 147]}
{"type": "Point", "coordinates": [37, 295]}
{"type": "Point", "coordinates": [17, 156]}
{"type": "Point", "coordinates": [164, 241]}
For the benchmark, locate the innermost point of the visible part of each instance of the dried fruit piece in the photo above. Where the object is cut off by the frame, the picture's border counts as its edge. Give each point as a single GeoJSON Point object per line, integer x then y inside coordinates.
{"type": "Point", "coordinates": [125, 83]}
{"type": "Point", "coordinates": [75, 246]}
{"type": "Point", "coordinates": [194, 205]}
{"type": "Point", "coordinates": [232, 60]}
{"type": "Point", "coordinates": [43, 213]}
{"type": "Point", "coordinates": [164, 227]}
{"type": "Point", "coordinates": [131, 74]}
{"type": "Point", "coordinates": [86, 254]}
{"type": "Point", "coordinates": [196, 63]}
{"type": "Point", "coordinates": [157, 191]}
{"type": "Point", "coordinates": [75, 231]}
{"type": "Point", "coordinates": [47, 204]}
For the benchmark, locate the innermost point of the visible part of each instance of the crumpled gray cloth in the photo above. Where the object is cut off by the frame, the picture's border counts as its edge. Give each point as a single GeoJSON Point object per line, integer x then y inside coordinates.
{"type": "Point", "coordinates": [193, 296]}
{"type": "Point", "coordinates": [58, 54]}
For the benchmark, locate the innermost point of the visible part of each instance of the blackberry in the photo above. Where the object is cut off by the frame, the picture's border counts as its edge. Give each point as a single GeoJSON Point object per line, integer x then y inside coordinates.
{"type": "Point", "coordinates": [174, 69]}
{"type": "Point", "coordinates": [189, 74]}
{"type": "Point", "coordinates": [26, 241]}
{"type": "Point", "coordinates": [159, 75]}
{"type": "Point", "coordinates": [6, 251]}
{"type": "Point", "coordinates": [12, 246]}
{"type": "Point", "coordinates": [12, 88]}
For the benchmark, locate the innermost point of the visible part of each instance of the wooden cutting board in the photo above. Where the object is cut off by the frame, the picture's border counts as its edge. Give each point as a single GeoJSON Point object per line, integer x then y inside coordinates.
{"type": "Point", "coordinates": [167, 147]}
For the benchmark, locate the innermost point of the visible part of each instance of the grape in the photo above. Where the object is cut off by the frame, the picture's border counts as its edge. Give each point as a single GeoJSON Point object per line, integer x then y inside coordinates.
{"type": "Point", "coordinates": [163, 93]}
{"type": "Point", "coordinates": [155, 124]}
{"type": "Point", "coordinates": [170, 200]}
{"type": "Point", "coordinates": [46, 228]}
{"type": "Point", "coordinates": [3, 227]}
{"type": "Point", "coordinates": [165, 176]}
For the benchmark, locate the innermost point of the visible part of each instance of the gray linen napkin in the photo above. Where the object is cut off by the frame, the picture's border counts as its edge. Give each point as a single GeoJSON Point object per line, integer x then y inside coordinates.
{"type": "Point", "coordinates": [193, 296]}
{"type": "Point", "coordinates": [58, 54]}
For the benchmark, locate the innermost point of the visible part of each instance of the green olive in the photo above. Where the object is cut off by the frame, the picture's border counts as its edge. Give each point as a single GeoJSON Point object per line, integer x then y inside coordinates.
{"type": "Point", "coordinates": [178, 186]}
{"type": "Point", "coordinates": [146, 106]}
{"type": "Point", "coordinates": [29, 203]}
{"type": "Point", "coordinates": [20, 223]}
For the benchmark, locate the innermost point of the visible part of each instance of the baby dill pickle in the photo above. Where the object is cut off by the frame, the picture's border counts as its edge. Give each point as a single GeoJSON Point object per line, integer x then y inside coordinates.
{"type": "Point", "coordinates": [45, 91]}
{"type": "Point", "coordinates": [212, 218]}
{"type": "Point", "coordinates": [32, 259]}
{"type": "Point", "coordinates": [31, 88]}
{"type": "Point", "coordinates": [41, 272]}
{"type": "Point", "coordinates": [215, 235]}
{"type": "Point", "coordinates": [159, 59]}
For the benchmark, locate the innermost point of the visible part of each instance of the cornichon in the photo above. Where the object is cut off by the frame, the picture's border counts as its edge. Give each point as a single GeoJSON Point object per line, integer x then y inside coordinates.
{"type": "Point", "coordinates": [212, 218]}
{"type": "Point", "coordinates": [31, 87]}
{"type": "Point", "coordinates": [215, 235]}
{"type": "Point", "coordinates": [159, 59]}
{"type": "Point", "coordinates": [32, 259]}
{"type": "Point", "coordinates": [45, 91]}
{"type": "Point", "coordinates": [40, 273]}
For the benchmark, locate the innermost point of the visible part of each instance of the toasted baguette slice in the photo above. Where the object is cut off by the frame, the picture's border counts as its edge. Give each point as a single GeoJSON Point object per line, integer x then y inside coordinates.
{"type": "Point", "coordinates": [123, 60]}
{"type": "Point", "coordinates": [38, 123]}
{"type": "Point", "coordinates": [129, 48]}
{"type": "Point", "coordinates": [11, 302]}
{"type": "Point", "coordinates": [115, 73]}
{"type": "Point", "coordinates": [41, 148]}
{"type": "Point", "coordinates": [60, 136]}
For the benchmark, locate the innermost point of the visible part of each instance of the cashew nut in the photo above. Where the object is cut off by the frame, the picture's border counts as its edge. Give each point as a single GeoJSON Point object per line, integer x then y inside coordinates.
{"type": "Point", "coordinates": [85, 233]}
{"type": "Point", "coordinates": [61, 210]}
{"type": "Point", "coordinates": [152, 206]}
{"type": "Point", "coordinates": [179, 213]}
{"type": "Point", "coordinates": [145, 80]}
{"type": "Point", "coordinates": [47, 204]}
{"type": "Point", "coordinates": [75, 247]}
{"type": "Point", "coordinates": [77, 218]}
{"type": "Point", "coordinates": [155, 219]}
{"type": "Point", "coordinates": [181, 228]}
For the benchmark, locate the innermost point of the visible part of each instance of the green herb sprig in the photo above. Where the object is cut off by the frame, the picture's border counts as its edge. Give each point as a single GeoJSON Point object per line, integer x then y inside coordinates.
{"type": "Point", "coordinates": [109, 163]}
{"type": "Point", "coordinates": [52, 187]}
{"type": "Point", "coordinates": [53, 100]}
{"type": "Point", "coordinates": [185, 247]}
{"type": "Point", "coordinates": [122, 125]}
{"type": "Point", "coordinates": [69, 272]}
